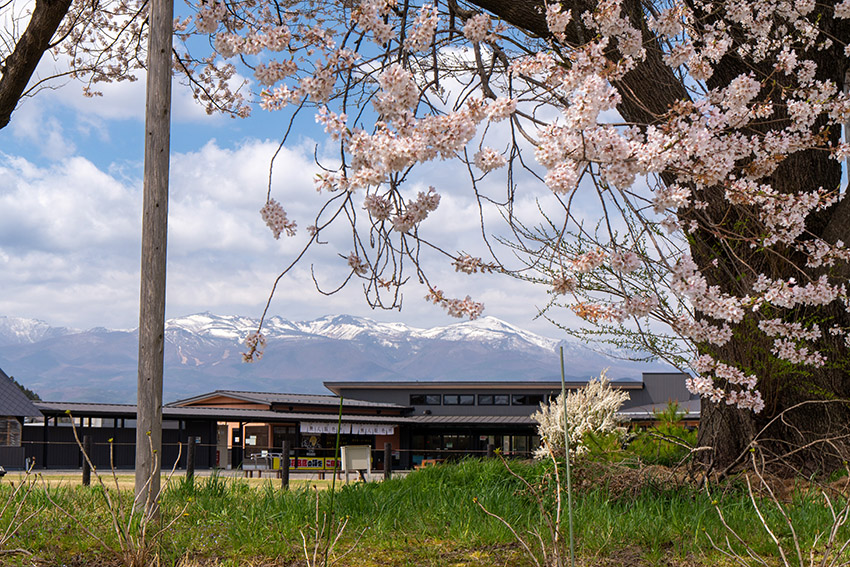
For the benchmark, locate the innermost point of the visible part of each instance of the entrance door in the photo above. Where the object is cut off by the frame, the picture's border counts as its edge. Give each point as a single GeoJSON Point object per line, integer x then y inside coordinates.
{"type": "Point", "coordinates": [236, 441]}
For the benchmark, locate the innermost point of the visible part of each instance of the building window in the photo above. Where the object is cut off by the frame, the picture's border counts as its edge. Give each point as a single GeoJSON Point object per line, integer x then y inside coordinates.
{"type": "Point", "coordinates": [459, 400]}
{"type": "Point", "coordinates": [425, 399]}
{"type": "Point", "coordinates": [526, 399]}
{"type": "Point", "coordinates": [494, 400]}
{"type": "Point", "coordinates": [10, 432]}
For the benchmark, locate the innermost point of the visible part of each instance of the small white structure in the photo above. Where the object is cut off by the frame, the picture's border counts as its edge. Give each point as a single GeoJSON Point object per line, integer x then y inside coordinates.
{"type": "Point", "coordinates": [357, 458]}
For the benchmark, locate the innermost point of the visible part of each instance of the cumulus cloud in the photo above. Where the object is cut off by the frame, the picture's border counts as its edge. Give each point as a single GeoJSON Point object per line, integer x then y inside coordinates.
{"type": "Point", "coordinates": [70, 239]}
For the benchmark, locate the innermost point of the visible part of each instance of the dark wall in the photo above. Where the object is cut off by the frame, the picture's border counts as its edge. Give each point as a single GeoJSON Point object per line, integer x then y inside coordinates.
{"type": "Point", "coordinates": [54, 447]}
{"type": "Point", "coordinates": [12, 458]}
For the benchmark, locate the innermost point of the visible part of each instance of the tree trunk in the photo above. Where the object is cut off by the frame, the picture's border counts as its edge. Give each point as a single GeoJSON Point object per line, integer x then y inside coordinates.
{"type": "Point", "coordinates": [805, 431]}
{"type": "Point", "coordinates": [803, 424]}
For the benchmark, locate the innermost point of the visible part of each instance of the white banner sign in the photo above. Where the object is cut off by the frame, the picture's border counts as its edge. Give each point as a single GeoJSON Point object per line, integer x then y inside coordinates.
{"type": "Point", "coordinates": [347, 428]}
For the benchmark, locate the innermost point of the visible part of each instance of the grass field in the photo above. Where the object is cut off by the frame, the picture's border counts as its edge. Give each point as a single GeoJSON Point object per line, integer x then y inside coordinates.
{"type": "Point", "coordinates": [433, 517]}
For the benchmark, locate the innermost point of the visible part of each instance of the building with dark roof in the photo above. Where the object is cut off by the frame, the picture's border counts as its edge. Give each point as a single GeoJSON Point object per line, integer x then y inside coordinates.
{"type": "Point", "coordinates": [14, 408]}
{"type": "Point", "coordinates": [449, 419]}
{"type": "Point", "coordinates": [419, 420]}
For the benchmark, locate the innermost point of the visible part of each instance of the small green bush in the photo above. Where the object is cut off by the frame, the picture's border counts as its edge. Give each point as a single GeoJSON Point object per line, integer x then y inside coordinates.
{"type": "Point", "coordinates": [667, 443]}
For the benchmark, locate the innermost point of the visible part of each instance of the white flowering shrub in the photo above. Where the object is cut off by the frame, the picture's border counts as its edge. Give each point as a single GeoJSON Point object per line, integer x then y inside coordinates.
{"type": "Point", "coordinates": [590, 410]}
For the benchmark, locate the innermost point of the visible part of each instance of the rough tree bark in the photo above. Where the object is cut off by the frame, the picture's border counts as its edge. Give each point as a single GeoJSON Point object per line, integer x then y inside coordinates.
{"type": "Point", "coordinates": [799, 437]}
{"type": "Point", "coordinates": [17, 69]}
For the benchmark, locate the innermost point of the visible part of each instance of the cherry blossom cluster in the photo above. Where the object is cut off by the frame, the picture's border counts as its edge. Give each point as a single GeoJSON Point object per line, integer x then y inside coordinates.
{"type": "Point", "coordinates": [791, 351]}
{"type": "Point", "coordinates": [256, 343]}
{"type": "Point", "coordinates": [689, 283]}
{"type": "Point", "coordinates": [625, 261]}
{"type": "Point", "coordinates": [477, 28]}
{"type": "Point", "coordinates": [563, 284]}
{"type": "Point", "coordinates": [357, 265]}
{"type": "Point", "coordinates": [589, 261]}
{"type": "Point", "coordinates": [459, 308]}
{"type": "Point", "coordinates": [821, 253]}
{"type": "Point", "coordinates": [275, 217]}
{"type": "Point", "coordinates": [334, 123]}
{"type": "Point", "coordinates": [417, 211]}
{"type": "Point", "coordinates": [557, 20]}
{"type": "Point", "coordinates": [372, 19]}
{"type": "Point", "coordinates": [387, 151]}
{"type": "Point", "coordinates": [702, 331]}
{"type": "Point", "coordinates": [471, 265]}
{"type": "Point", "coordinates": [488, 159]}
{"type": "Point", "coordinates": [710, 371]}
{"type": "Point", "coordinates": [422, 33]}
{"type": "Point", "coordinates": [379, 208]}
{"type": "Point", "coordinates": [631, 307]}
{"type": "Point", "coordinates": [788, 293]}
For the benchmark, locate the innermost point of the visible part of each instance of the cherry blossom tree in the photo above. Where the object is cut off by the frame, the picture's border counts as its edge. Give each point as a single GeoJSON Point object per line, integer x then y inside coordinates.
{"type": "Point", "coordinates": [707, 133]}
{"type": "Point", "coordinates": [687, 158]}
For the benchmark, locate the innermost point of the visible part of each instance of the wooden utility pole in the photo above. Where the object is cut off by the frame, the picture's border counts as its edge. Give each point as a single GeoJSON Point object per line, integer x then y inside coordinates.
{"type": "Point", "coordinates": [154, 230]}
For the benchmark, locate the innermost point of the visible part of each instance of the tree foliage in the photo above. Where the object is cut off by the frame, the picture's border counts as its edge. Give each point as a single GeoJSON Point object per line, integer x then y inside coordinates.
{"type": "Point", "coordinates": [30, 394]}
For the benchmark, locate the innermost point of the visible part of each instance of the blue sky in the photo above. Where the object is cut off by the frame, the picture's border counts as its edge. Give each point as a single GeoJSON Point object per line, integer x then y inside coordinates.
{"type": "Point", "coordinates": [70, 209]}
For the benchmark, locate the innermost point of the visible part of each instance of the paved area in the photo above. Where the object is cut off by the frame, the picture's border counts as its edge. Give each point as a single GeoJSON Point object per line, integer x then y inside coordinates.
{"type": "Point", "coordinates": [224, 473]}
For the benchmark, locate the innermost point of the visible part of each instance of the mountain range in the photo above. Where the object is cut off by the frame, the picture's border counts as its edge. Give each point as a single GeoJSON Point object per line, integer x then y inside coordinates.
{"type": "Point", "coordinates": [203, 353]}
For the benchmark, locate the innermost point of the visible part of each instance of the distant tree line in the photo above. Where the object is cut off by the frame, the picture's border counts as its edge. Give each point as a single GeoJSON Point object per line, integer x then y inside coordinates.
{"type": "Point", "coordinates": [29, 393]}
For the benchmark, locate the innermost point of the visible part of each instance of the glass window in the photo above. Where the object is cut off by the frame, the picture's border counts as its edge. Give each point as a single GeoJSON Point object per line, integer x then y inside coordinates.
{"type": "Point", "coordinates": [425, 399]}
{"type": "Point", "coordinates": [459, 400]}
{"type": "Point", "coordinates": [526, 399]}
{"type": "Point", "coordinates": [457, 442]}
{"type": "Point", "coordinates": [494, 400]}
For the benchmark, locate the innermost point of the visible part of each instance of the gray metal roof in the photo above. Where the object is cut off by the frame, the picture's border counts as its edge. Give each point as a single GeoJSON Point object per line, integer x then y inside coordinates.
{"type": "Point", "coordinates": [13, 402]}
{"type": "Point", "coordinates": [474, 419]}
{"type": "Point", "coordinates": [282, 398]}
{"type": "Point", "coordinates": [220, 414]}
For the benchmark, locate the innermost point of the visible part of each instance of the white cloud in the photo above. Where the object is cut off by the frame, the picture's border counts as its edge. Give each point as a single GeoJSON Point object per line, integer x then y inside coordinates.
{"type": "Point", "coordinates": [70, 231]}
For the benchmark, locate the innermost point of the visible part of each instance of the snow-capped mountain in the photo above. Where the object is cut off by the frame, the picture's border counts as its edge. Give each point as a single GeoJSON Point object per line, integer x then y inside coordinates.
{"type": "Point", "coordinates": [203, 353]}
{"type": "Point", "coordinates": [15, 330]}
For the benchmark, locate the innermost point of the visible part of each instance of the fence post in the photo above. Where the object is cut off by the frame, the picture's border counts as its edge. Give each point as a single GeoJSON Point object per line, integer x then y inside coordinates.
{"type": "Point", "coordinates": [284, 466]}
{"type": "Point", "coordinates": [388, 461]}
{"type": "Point", "coordinates": [190, 459]}
{"type": "Point", "coordinates": [86, 457]}
{"type": "Point", "coordinates": [491, 450]}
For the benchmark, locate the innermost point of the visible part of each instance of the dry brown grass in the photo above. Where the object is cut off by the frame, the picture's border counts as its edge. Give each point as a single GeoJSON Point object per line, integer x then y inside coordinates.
{"type": "Point", "coordinates": [126, 480]}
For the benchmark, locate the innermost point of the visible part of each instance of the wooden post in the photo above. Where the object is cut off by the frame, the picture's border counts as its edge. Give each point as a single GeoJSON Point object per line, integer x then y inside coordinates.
{"type": "Point", "coordinates": [388, 461]}
{"type": "Point", "coordinates": [86, 457]}
{"type": "Point", "coordinates": [284, 465]}
{"type": "Point", "coordinates": [190, 459]}
{"type": "Point", "coordinates": [154, 229]}
{"type": "Point", "coordinates": [491, 450]}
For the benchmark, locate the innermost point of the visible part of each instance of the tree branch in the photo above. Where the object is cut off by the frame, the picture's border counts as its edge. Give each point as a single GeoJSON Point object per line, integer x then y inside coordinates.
{"type": "Point", "coordinates": [19, 67]}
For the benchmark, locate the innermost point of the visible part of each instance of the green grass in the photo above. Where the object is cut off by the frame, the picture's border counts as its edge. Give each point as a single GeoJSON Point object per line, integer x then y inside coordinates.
{"type": "Point", "coordinates": [427, 518]}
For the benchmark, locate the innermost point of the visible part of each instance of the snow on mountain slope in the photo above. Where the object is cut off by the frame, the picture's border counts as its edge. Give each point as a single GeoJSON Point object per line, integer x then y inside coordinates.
{"type": "Point", "coordinates": [203, 354]}
{"type": "Point", "coordinates": [347, 327]}
{"type": "Point", "coordinates": [488, 329]}
{"type": "Point", "coordinates": [17, 330]}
